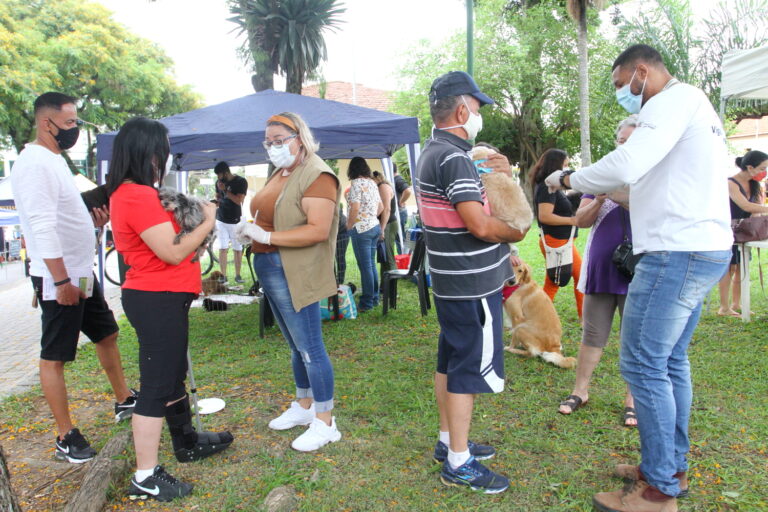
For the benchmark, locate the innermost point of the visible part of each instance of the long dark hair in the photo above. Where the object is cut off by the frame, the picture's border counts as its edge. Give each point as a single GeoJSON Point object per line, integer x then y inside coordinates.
{"type": "Point", "coordinates": [753, 158]}
{"type": "Point", "coordinates": [358, 168]}
{"type": "Point", "coordinates": [139, 154]}
{"type": "Point", "coordinates": [550, 161]}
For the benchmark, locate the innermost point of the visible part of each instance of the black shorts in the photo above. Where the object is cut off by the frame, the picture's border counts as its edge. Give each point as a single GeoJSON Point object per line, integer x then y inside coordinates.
{"type": "Point", "coordinates": [62, 324]}
{"type": "Point", "coordinates": [161, 320]}
{"type": "Point", "coordinates": [471, 347]}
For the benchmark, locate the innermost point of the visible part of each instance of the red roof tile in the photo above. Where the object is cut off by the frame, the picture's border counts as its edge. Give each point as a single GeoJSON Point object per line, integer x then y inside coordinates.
{"type": "Point", "coordinates": [342, 91]}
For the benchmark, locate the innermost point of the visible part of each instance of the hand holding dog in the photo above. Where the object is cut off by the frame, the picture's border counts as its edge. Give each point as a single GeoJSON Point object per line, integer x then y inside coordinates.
{"type": "Point", "coordinates": [497, 163]}
{"type": "Point", "coordinates": [209, 209]}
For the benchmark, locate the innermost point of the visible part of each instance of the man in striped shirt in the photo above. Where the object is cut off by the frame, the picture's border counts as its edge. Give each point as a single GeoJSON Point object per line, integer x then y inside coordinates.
{"type": "Point", "coordinates": [469, 263]}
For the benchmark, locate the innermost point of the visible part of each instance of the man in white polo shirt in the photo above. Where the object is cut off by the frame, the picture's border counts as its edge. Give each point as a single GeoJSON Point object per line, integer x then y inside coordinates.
{"type": "Point", "coordinates": [60, 241]}
{"type": "Point", "coordinates": [675, 163]}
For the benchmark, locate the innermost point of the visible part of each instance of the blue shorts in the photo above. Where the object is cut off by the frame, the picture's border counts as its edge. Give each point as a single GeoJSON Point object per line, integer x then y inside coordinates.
{"type": "Point", "coordinates": [471, 347]}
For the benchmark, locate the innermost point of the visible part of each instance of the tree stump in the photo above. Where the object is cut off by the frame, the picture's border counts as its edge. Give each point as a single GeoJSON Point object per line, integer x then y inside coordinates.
{"type": "Point", "coordinates": [8, 502]}
{"type": "Point", "coordinates": [103, 470]}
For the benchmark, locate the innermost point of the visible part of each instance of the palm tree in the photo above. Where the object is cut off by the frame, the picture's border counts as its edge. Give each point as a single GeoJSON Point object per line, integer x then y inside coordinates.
{"type": "Point", "coordinates": [577, 9]}
{"type": "Point", "coordinates": [285, 37]}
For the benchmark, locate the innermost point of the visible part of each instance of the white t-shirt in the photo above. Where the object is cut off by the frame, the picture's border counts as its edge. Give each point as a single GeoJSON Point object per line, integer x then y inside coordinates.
{"type": "Point", "coordinates": [676, 165]}
{"type": "Point", "coordinates": [54, 218]}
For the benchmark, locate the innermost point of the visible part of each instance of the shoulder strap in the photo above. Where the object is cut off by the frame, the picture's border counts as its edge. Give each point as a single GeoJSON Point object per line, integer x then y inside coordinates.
{"type": "Point", "coordinates": [743, 192]}
{"type": "Point", "coordinates": [624, 222]}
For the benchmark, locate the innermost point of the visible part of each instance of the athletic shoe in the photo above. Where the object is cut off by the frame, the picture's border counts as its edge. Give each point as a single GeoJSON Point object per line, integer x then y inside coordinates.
{"type": "Point", "coordinates": [74, 448]}
{"type": "Point", "coordinates": [474, 475]}
{"type": "Point", "coordinates": [159, 486]}
{"type": "Point", "coordinates": [239, 279]}
{"type": "Point", "coordinates": [316, 436]}
{"type": "Point", "coordinates": [124, 410]}
{"type": "Point", "coordinates": [478, 451]}
{"type": "Point", "coordinates": [293, 416]}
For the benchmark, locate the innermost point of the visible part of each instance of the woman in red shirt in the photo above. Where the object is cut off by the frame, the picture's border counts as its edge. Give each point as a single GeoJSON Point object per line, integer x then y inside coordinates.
{"type": "Point", "coordinates": [157, 293]}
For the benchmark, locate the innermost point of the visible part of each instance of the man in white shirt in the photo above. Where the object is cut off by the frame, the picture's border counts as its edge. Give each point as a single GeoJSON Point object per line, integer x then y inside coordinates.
{"type": "Point", "coordinates": [675, 164]}
{"type": "Point", "coordinates": [60, 241]}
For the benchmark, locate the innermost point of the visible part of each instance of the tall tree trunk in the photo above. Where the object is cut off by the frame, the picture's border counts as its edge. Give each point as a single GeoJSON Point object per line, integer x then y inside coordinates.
{"type": "Point", "coordinates": [8, 502]}
{"type": "Point", "coordinates": [586, 151]}
{"type": "Point", "coordinates": [293, 81]}
{"type": "Point", "coordinates": [259, 43]}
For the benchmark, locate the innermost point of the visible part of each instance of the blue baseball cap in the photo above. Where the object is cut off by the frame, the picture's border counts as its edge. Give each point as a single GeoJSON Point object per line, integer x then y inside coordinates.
{"type": "Point", "coordinates": [456, 83]}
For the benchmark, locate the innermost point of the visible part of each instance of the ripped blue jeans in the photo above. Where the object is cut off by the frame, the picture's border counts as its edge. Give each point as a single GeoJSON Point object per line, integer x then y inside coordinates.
{"type": "Point", "coordinates": [312, 369]}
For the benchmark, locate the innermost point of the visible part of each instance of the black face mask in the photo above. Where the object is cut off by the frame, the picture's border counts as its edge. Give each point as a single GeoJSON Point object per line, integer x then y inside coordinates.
{"type": "Point", "coordinates": [66, 138]}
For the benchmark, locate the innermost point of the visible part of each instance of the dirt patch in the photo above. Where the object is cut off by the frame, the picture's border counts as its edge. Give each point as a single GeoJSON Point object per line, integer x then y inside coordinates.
{"type": "Point", "coordinates": [44, 484]}
{"type": "Point", "coordinates": [40, 481]}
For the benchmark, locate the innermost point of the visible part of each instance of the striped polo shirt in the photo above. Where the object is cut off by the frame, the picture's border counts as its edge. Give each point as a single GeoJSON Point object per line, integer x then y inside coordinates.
{"type": "Point", "coordinates": [462, 267]}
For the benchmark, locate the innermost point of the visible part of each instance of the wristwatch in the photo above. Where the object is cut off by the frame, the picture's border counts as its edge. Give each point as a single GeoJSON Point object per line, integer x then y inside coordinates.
{"type": "Point", "coordinates": [562, 178]}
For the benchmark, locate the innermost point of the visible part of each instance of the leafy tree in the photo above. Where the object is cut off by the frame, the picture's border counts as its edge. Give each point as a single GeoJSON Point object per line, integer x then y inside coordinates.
{"type": "Point", "coordinates": [285, 37]}
{"type": "Point", "coordinates": [73, 46]}
{"type": "Point", "coordinates": [526, 61]}
{"type": "Point", "coordinates": [694, 53]}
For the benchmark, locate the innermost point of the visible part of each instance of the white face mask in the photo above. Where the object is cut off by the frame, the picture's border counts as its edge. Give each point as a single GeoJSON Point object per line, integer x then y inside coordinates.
{"type": "Point", "coordinates": [281, 158]}
{"type": "Point", "coordinates": [472, 126]}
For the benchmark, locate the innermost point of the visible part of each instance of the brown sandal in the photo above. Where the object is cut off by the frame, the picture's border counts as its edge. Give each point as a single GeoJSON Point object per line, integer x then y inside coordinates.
{"type": "Point", "coordinates": [574, 402]}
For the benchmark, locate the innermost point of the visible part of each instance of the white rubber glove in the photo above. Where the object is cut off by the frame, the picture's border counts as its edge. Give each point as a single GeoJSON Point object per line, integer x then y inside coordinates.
{"type": "Point", "coordinates": [247, 231]}
{"type": "Point", "coordinates": [553, 182]}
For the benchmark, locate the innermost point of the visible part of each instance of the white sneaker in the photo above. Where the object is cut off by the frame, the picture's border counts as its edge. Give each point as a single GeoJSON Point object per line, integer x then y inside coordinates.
{"type": "Point", "coordinates": [293, 416]}
{"type": "Point", "coordinates": [317, 435]}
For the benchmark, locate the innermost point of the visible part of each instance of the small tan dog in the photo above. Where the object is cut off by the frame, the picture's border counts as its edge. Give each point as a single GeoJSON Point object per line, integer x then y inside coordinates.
{"type": "Point", "coordinates": [505, 197]}
{"type": "Point", "coordinates": [536, 326]}
{"type": "Point", "coordinates": [211, 284]}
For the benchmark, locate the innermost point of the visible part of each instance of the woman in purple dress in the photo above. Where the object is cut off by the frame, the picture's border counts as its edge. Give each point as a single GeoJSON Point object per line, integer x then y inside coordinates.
{"type": "Point", "coordinates": [604, 288]}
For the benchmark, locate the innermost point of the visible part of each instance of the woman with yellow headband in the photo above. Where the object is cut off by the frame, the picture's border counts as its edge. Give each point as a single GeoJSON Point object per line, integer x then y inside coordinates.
{"type": "Point", "coordinates": [293, 242]}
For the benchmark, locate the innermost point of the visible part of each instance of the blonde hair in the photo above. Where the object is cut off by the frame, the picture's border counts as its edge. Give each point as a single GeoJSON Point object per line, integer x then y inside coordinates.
{"type": "Point", "coordinates": [299, 128]}
{"type": "Point", "coordinates": [380, 178]}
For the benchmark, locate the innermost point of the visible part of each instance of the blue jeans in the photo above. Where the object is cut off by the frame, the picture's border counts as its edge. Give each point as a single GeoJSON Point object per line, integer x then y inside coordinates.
{"type": "Point", "coordinates": [364, 245]}
{"type": "Point", "coordinates": [312, 369]}
{"type": "Point", "coordinates": [661, 312]}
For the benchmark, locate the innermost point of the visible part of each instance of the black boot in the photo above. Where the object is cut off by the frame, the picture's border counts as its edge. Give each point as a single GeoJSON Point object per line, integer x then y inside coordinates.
{"type": "Point", "coordinates": [189, 445]}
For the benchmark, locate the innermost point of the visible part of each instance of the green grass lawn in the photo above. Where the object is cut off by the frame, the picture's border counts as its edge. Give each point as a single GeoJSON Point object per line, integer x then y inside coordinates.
{"type": "Point", "coordinates": [385, 410]}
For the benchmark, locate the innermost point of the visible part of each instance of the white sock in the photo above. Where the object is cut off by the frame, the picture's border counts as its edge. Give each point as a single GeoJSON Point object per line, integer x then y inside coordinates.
{"type": "Point", "coordinates": [143, 474]}
{"type": "Point", "coordinates": [445, 438]}
{"type": "Point", "coordinates": [457, 459]}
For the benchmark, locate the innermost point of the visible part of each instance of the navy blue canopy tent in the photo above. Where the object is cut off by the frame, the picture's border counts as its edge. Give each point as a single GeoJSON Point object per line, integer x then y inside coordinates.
{"type": "Point", "coordinates": [233, 131]}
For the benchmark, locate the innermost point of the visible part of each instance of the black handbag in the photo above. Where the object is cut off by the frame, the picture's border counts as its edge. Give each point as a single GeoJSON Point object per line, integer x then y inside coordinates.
{"type": "Point", "coordinates": [381, 251]}
{"type": "Point", "coordinates": [623, 257]}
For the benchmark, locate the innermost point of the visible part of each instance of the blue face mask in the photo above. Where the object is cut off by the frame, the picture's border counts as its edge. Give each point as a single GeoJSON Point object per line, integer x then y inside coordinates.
{"type": "Point", "coordinates": [480, 169]}
{"type": "Point", "coordinates": [632, 103]}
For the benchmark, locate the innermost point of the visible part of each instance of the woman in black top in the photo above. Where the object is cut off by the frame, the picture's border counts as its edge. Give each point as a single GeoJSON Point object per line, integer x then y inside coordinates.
{"type": "Point", "coordinates": [747, 197]}
{"type": "Point", "coordinates": [555, 214]}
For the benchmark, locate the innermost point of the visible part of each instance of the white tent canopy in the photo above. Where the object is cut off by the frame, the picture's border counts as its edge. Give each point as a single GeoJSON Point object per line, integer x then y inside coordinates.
{"type": "Point", "coordinates": [744, 75]}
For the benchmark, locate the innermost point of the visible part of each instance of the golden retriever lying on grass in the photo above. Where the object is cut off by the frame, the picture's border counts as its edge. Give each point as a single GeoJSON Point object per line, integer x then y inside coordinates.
{"type": "Point", "coordinates": [536, 326]}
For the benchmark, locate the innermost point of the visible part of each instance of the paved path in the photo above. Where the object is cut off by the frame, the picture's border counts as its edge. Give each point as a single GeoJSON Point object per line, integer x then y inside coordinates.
{"type": "Point", "coordinates": [20, 330]}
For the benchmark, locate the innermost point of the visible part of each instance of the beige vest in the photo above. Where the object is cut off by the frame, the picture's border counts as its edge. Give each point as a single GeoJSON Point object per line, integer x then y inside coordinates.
{"type": "Point", "coordinates": [308, 270]}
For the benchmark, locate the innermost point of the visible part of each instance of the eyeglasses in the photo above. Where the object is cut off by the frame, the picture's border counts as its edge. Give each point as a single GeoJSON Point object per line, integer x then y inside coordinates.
{"type": "Point", "coordinates": [277, 144]}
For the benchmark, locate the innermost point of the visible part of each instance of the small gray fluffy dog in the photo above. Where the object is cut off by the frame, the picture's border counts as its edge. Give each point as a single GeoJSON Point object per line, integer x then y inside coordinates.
{"type": "Point", "coordinates": [188, 212]}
